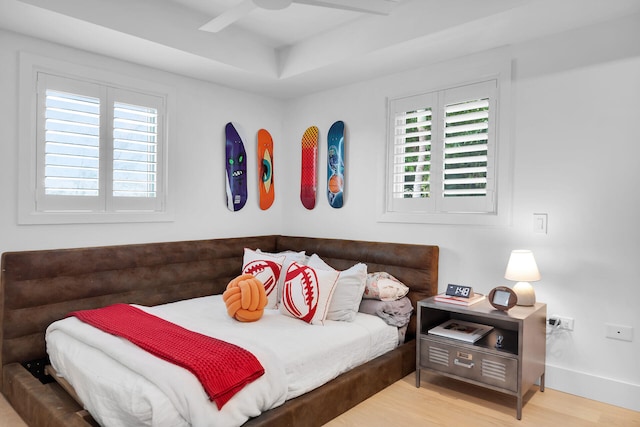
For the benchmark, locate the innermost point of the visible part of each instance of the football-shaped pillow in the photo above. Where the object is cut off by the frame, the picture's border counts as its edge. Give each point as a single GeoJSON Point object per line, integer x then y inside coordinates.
{"type": "Point", "coordinates": [265, 268]}
{"type": "Point", "coordinates": [307, 293]}
{"type": "Point", "coordinates": [245, 298]}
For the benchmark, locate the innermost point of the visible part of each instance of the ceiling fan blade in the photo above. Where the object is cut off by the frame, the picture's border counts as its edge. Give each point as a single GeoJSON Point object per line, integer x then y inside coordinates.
{"type": "Point", "coordinates": [229, 16]}
{"type": "Point", "coordinates": [378, 7]}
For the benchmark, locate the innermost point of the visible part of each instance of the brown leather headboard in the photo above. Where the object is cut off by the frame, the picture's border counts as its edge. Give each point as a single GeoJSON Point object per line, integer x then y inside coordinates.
{"type": "Point", "coordinates": [39, 287]}
{"type": "Point", "coordinates": [414, 265]}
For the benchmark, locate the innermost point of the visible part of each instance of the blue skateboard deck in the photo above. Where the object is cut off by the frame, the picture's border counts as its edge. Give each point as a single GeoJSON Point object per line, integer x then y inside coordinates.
{"type": "Point", "coordinates": [335, 165]}
{"type": "Point", "coordinates": [236, 164]}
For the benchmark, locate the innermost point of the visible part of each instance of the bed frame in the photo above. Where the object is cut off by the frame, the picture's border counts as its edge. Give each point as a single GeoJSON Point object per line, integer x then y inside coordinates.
{"type": "Point", "coordinates": [40, 287]}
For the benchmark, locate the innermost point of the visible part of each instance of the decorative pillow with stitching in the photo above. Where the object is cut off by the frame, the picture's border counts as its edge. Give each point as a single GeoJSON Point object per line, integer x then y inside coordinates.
{"type": "Point", "coordinates": [265, 268]}
{"type": "Point", "coordinates": [348, 294]}
{"type": "Point", "coordinates": [385, 287]}
{"type": "Point", "coordinates": [307, 293]}
{"type": "Point", "coordinates": [289, 257]}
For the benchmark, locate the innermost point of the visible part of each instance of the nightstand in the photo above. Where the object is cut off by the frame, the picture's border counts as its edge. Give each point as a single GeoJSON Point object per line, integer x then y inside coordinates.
{"type": "Point", "coordinates": [512, 367]}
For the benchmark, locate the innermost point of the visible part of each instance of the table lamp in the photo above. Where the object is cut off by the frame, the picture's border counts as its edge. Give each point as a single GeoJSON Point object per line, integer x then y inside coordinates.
{"type": "Point", "coordinates": [522, 268]}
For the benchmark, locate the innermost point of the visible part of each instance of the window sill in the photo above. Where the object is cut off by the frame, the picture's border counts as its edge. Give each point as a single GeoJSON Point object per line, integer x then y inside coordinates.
{"type": "Point", "coordinates": [41, 218]}
{"type": "Point", "coordinates": [479, 219]}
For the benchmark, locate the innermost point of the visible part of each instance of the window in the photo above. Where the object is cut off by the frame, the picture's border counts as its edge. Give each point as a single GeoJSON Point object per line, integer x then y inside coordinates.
{"type": "Point", "coordinates": [97, 152]}
{"type": "Point", "coordinates": [442, 155]}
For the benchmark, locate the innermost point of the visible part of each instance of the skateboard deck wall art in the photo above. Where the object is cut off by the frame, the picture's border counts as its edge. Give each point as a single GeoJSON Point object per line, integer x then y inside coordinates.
{"type": "Point", "coordinates": [335, 165]}
{"type": "Point", "coordinates": [265, 169]}
{"type": "Point", "coordinates": [236, 166]}
{"type": "Point", "coordinates": [309, 167]}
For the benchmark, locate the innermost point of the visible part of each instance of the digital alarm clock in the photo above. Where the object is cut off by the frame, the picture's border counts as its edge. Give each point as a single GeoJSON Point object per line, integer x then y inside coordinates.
{"type": "Point", "coordinates": [459, 291]}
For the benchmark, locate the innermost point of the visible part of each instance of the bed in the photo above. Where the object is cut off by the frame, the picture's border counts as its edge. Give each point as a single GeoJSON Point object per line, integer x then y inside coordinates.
{"type": "Point", "coordinates": [40, 287]}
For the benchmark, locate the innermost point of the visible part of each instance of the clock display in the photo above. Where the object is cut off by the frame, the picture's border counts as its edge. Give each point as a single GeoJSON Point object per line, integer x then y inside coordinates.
{"type": "Point", "coordinates": [459, 291]}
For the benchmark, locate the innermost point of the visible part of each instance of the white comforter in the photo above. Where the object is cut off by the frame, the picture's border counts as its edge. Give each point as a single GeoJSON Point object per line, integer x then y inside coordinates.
{"type": "Point", "coordinates": [123, 385]}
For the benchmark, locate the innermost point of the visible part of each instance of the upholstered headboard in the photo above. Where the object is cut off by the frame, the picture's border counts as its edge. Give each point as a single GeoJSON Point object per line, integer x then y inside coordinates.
{"type": "Point", "coordinates": [39, 287]}
{"type": "Point", "coordinates": [414, 265]}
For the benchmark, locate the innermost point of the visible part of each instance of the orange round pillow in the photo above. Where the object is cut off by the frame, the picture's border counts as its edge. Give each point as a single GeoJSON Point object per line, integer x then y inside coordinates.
{"type": "Point", "coordinates": [245, 298]}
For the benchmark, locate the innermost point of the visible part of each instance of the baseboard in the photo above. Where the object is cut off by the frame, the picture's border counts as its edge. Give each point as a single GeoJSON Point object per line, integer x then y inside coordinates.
{"type": "Point", "coordinates": [607, 390]}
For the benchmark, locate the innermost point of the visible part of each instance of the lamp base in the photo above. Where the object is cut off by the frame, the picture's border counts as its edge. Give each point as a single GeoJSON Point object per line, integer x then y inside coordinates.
{"type": "Point", "coordinates": [525, 293]}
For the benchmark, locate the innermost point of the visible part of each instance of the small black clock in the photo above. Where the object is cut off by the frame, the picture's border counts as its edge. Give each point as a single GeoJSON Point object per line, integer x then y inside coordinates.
{"type": "Point", "coordinates": [502, 298]}
{"type": "Point", "coordinates": [459, 291]}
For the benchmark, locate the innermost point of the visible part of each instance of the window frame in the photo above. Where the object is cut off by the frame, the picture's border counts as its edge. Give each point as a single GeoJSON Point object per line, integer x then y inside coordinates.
{"type": "Point", "coordinates": [471, 70]}
{"type": "Point", "coordinates": [69, 209]}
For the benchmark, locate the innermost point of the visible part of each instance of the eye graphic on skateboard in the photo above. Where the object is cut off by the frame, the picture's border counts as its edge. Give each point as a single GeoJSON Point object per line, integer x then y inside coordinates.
{"type": "Point", "coordinates": [265, 169]}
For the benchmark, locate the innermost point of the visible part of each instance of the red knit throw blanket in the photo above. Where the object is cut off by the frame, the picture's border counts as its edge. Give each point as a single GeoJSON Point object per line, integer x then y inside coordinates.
{"type": "Point", "coordinates": [222, 368]}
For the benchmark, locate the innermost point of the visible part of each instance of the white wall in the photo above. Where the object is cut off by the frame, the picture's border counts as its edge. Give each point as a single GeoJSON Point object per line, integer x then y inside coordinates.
{"type": "Point", "coordinates": [575, 145]}
{"type": "Point", "coordinates": [196, 153]}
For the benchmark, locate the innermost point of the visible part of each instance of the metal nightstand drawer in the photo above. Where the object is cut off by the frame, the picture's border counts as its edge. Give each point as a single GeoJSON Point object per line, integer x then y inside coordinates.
{"type": "Point", "coordinates": [473, 364]}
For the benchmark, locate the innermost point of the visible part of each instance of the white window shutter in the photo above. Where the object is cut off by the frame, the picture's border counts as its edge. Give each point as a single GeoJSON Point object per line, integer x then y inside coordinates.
{"type": "Point", "coordinates": [99, 148]}
{"type": "Point", "coordinates": [137, 130]}
{"type": "Point", "coordinates": [68, 145]}
{"type": "Point", "coordinates": [442, 149]}
{"type": "Point", "coordinates": [469, 148]}
{"type": "Point", "coordinates": [411, 153]}
{"type": "Point", "coordinates": [72, 144]}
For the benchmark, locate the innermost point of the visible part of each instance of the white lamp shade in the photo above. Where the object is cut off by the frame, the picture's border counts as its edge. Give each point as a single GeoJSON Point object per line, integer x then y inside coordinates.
{"type": "Point", "coordinates": [522, 267]}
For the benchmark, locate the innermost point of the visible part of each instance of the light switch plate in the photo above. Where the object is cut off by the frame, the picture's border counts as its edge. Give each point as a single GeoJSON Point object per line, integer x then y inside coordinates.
{"type": "Point", "coordinates": [540, 223]}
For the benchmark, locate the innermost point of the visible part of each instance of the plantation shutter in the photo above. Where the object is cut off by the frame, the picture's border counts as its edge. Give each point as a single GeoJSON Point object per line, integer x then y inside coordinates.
{"type": "Point", "coordinates": [68, 146]}
{"type": "Point", "coordinates": [98, 148]}
{"type": "Point", "coordinates": [136, 152]}
{"type": "Point", "coordinates": [468, 143]}
{"type": "Point", "coordinates": [442, 147]}
{"type": "Point", "coordinates": [72, 144]}
{"type": "Point", "coordinates": [411, 157]}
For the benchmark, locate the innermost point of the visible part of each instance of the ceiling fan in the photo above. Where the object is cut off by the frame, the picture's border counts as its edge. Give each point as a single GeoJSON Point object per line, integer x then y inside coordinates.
{"type": "Point", "coordinates": [379, 7]}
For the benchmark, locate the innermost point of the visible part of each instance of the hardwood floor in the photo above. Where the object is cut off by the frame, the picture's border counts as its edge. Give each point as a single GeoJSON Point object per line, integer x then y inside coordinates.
{"type": "Point", "coordinates": [442, 401]}
{"type": "Point", "coordinates": [445, 402]}
{"type": "Point", "coordinates": [8, 417]}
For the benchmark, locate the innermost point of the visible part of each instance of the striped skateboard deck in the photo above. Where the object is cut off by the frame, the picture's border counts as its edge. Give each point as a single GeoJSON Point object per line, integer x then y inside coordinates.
{"type": "Point", "coordinates": [309, 166]}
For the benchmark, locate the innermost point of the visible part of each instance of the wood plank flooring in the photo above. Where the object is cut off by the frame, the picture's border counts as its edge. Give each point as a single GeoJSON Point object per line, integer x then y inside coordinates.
{"type": "Point", "coordinates": [8, 417]}
{"type": "Point", "coordinates": [442, 401]}
{"type": "Point", "coordinates": [445, 402]}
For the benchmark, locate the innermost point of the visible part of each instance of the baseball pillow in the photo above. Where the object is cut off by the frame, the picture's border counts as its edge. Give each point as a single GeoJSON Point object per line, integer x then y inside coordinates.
{"type": "Point", "coordinates": [266, 268]}
{"type": "Point", "coordinates": [307, 293]}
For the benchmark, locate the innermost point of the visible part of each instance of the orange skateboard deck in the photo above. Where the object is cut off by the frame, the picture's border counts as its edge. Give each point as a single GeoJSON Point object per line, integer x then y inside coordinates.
{"type": "Point", "coordinates": [265, 169]}
{"type": "Point", "coordinates": [309, 167]}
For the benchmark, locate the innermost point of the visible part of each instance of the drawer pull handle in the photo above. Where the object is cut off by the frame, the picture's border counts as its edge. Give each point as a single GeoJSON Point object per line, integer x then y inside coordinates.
{"type": "Point", "coordinates": [464, 365]}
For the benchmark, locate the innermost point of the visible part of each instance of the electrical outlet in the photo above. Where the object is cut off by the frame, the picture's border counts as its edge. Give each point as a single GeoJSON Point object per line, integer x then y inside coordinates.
{"type": "Point", "coordinates": [619, 332]}
{"type": "Point", "coordinates": [566, 323]}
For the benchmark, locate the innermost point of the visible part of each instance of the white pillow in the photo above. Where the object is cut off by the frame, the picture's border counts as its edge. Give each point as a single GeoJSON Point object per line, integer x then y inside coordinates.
{"type": "Point", "coordinates": [307, 293]}
{"type": "Point", "coordinates": [289, 257]}
{"type": "Point", "coordinates": [267, 269]}
{"type": "Point", "coordinates": [383, 286]}
{"type": "Point", "coordinates": [348, 294]}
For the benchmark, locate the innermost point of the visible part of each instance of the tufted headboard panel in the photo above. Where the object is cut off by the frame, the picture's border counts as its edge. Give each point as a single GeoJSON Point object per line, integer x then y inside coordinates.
{"type": "Point", "coordinates": [414, 265]}
{"type": "Point", "coordinates": [39, 287]}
